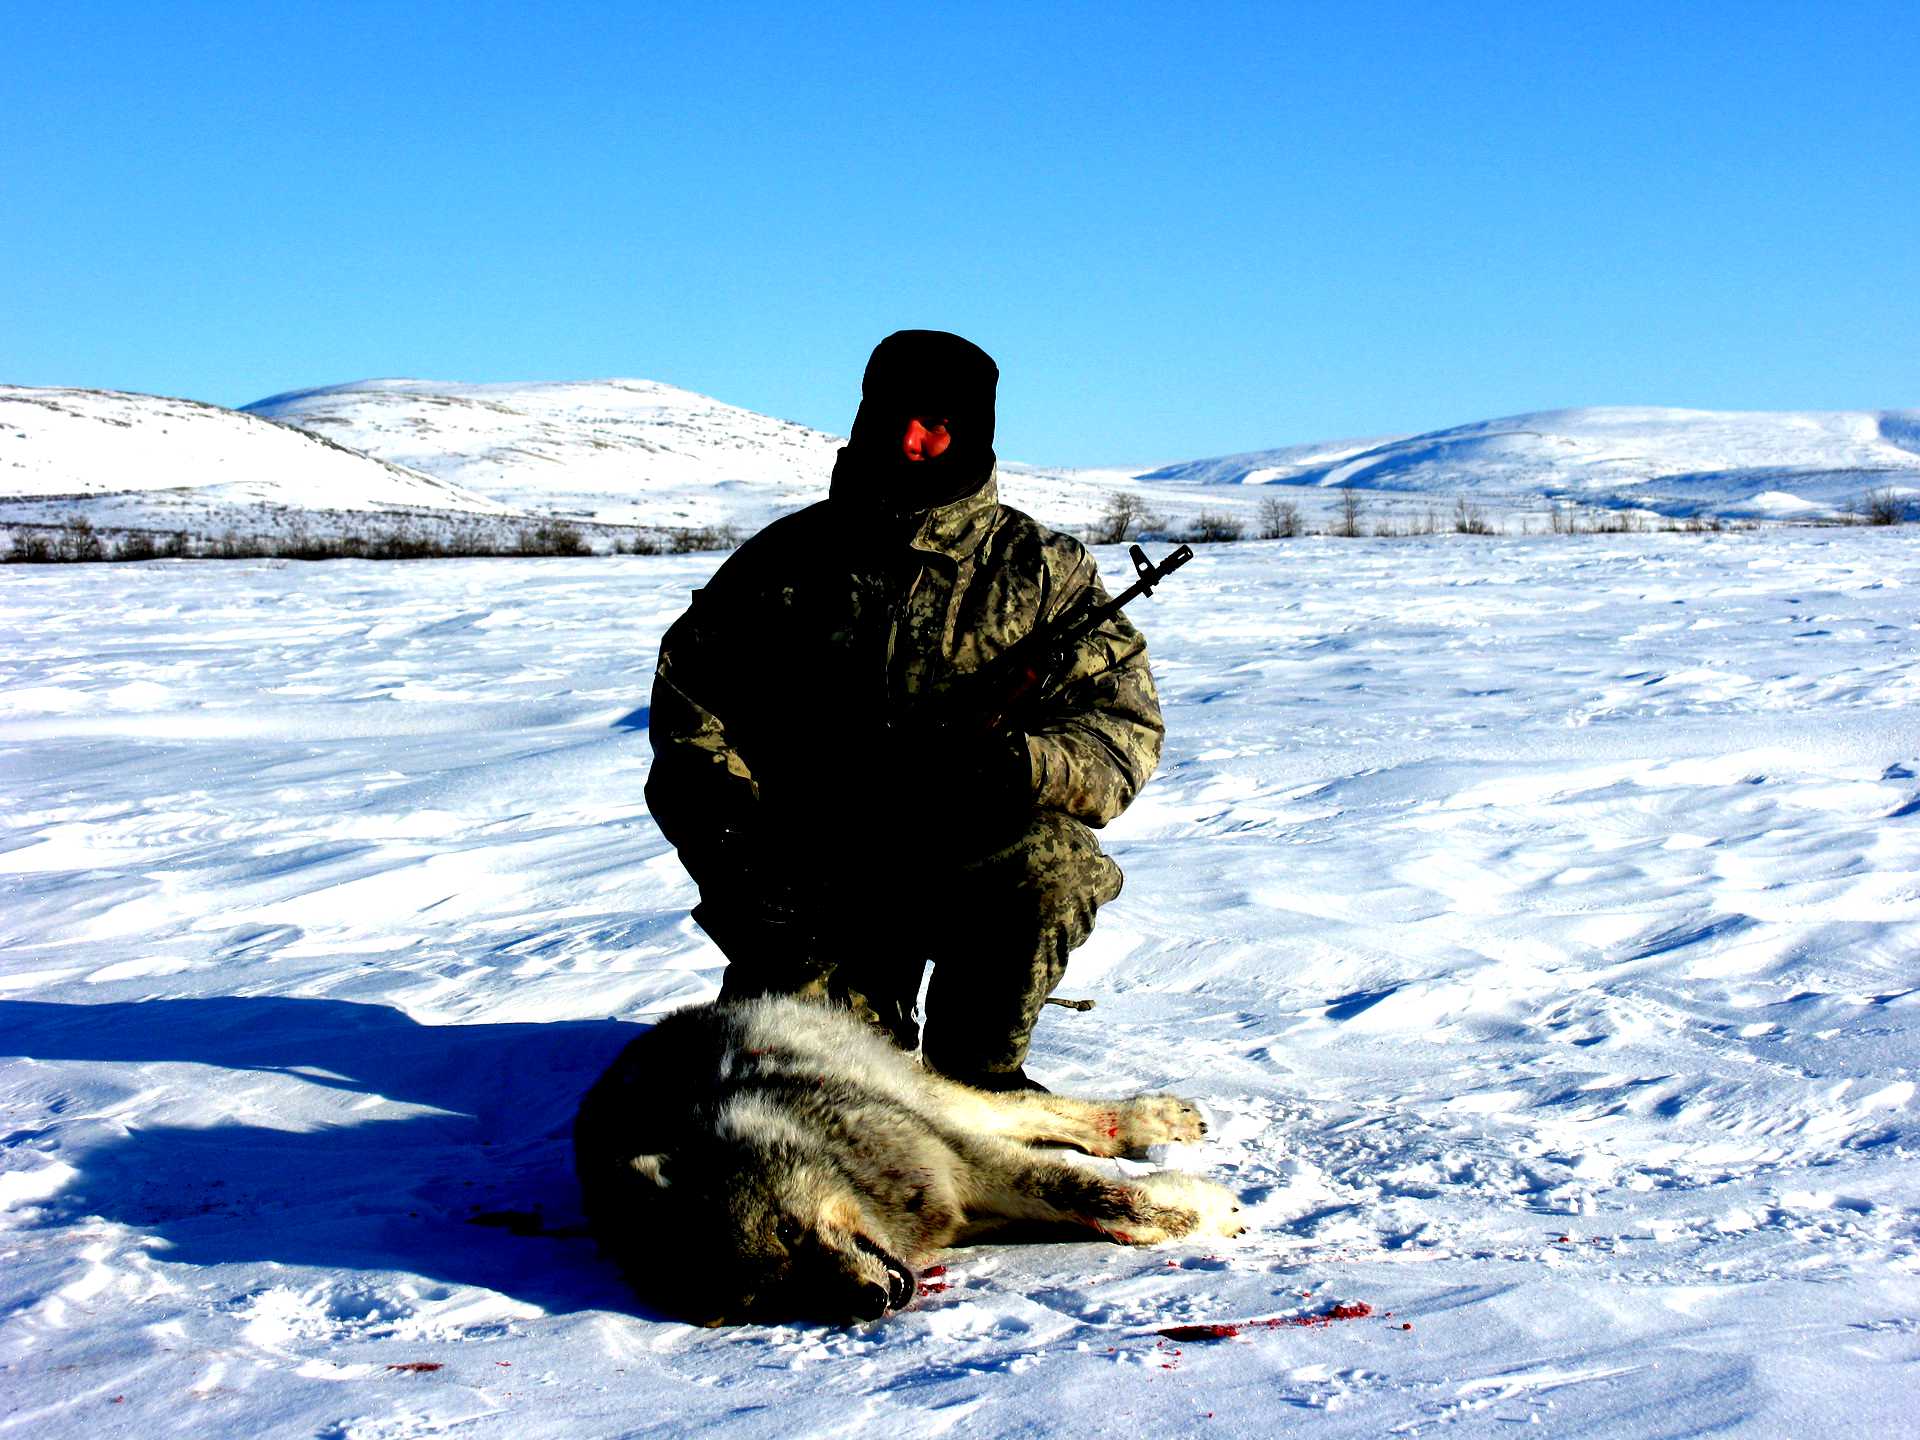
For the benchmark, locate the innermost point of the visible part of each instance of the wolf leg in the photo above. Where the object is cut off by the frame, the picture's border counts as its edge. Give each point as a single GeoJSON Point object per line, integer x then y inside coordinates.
{"type": "Point", "coordinates": [1164, 1206]}
{"type": "Point", "coordinates": [1099, 1127]}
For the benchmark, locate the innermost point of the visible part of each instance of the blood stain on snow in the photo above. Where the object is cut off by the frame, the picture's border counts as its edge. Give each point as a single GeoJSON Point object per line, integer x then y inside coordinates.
{"type": "Point", "coordinates": [1358, 1310]}
{"type": "Point", "coordinates": [417, 1367]}
{"type": "Point", "coordinates": [1199, 1332]}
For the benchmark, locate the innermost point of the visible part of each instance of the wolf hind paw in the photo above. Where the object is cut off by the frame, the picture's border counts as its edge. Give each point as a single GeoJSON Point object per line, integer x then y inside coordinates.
{"type": "Point", "coordinates": [1215, 1209]}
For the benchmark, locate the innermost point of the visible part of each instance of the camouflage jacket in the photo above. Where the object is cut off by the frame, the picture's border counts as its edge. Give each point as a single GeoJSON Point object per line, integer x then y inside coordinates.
{"type": "Point", "coordinates": [824, 630]}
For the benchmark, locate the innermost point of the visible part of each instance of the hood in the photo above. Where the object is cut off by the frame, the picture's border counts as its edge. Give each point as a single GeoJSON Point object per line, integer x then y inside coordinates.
{"type": "Point", "coordinates": [928, 373]}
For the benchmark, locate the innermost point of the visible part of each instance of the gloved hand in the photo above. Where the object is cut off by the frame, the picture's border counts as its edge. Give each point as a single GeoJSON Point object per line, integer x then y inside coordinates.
{"type": "Point", "coordinates": [736, 869]}
{"type": "Point", "coordinates": [978, 784]}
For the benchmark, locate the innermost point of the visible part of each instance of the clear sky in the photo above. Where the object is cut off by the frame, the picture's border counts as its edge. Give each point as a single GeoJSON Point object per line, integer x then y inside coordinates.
{"type": "Point", "coordinates": [1183, 230]}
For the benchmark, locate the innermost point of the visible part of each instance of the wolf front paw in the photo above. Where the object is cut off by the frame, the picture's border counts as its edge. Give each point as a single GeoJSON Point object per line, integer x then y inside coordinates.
{"type": "Point", "coordinates": [1159, 1120]}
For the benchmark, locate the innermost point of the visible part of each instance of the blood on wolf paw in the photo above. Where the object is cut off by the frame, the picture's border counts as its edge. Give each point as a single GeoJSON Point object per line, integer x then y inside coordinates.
{"type": "Point", "coordinates": [1158, 1120]}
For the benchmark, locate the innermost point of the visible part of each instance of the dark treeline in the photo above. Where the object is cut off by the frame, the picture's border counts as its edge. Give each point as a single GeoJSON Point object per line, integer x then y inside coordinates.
{"type": "Point", "coordinates": [78, 542]}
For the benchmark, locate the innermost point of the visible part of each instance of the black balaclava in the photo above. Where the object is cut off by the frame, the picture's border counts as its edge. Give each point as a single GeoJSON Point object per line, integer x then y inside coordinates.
{"type": "Point", "coordinates": [932, 374]}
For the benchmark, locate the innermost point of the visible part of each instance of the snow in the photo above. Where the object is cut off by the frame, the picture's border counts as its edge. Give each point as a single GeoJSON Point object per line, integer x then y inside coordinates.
{"type": "Point", "coordinates": [637, 451]}
{"type": "Point", "coordinates": [476, 460]}
{"type": "Point", "coordinates": [63, 443]}
{"type": "Point", "coordinates": [1535, 917]}
{"type": "Point", "coordinates": [641, 452]}
{"type": "Point", "coordinates": [616, 451]}
{"type": "Point", "coordinates": [1752, 464]}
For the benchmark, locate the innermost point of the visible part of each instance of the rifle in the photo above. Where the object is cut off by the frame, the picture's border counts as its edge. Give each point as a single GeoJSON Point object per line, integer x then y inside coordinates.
{"type": "Point", "coordinates": [1019, 675]}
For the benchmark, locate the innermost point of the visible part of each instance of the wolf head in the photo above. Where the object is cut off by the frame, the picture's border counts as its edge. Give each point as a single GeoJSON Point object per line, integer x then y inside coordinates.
{"type": "Point", "coordinates": [759, 1233]}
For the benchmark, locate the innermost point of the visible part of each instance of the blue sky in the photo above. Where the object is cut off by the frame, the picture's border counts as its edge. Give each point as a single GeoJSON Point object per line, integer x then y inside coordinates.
{"type": "Point", "coordinates": [1182, 231]}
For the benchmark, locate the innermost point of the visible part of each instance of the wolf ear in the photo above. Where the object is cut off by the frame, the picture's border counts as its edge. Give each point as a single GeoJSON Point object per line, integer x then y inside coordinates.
{"type": "Point", "coordinates": [649, 1167]}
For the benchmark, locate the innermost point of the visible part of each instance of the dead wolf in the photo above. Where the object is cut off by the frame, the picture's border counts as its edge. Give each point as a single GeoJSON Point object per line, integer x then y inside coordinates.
{"type": "Point", "coordinates": [770, 1160]}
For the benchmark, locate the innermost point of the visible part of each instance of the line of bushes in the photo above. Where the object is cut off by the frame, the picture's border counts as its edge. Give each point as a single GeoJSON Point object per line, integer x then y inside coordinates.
{"type": "Point", "coordinates": [1128, 517]}
{"type": "Point", "coordinates": [78, 541]}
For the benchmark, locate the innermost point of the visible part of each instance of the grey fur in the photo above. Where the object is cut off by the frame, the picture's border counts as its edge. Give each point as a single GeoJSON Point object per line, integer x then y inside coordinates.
{"type": "Point", "coordinates": [770, 1160]}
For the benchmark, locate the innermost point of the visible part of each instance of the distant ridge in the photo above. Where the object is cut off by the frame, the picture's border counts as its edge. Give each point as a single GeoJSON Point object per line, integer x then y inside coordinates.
{"type": "Point", "coordinates": [1677, 462]}
{"type": "Point", "coordinates": [100, 442]}
{"type": "Point", "coordinates": [615, 454]}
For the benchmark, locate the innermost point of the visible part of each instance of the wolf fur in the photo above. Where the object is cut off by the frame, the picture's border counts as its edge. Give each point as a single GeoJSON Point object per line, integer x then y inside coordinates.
{"type": "Point", "coordinates": [770, 1160]}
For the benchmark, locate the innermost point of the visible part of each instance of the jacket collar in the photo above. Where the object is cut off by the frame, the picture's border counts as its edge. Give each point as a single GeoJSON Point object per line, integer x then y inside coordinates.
{"type": "Point", "coordinates": [953, 530]}
{"type": "Point", "coordinates": [956, 529]}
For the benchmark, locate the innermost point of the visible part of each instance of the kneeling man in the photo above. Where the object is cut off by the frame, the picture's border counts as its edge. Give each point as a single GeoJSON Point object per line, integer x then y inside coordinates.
{"type": "Point", "coordinates": [841, 834]}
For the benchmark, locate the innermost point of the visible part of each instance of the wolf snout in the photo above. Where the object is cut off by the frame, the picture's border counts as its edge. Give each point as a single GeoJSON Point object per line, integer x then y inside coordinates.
{"type": "Point", "coordinates": [902, 1284]}
{"type": "Point", "coordinates": [876, 1302]}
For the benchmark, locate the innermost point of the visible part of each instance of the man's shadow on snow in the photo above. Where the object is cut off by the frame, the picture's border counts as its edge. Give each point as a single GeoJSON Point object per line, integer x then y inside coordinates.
{"type": "Point", "coordinates": [399, 1193]}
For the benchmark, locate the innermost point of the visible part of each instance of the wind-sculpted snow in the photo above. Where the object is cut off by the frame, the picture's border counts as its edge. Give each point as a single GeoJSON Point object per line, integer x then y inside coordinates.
{"type": "Point", "coordinates": [1535, 917]}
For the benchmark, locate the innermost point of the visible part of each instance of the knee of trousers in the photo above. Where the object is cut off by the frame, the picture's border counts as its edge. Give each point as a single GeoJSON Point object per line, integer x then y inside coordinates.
{"type": "Point", "coordinates": [1053, 876]}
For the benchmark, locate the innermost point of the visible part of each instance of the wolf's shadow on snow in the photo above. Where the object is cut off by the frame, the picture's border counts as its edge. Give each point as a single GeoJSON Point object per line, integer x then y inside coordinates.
{"type": "Point", "coordinates": [392, 1193]}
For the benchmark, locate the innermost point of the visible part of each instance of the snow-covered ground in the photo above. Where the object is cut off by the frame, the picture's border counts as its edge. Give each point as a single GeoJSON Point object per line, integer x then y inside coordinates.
{"type": "Point", "coordinates": [1538, 919]}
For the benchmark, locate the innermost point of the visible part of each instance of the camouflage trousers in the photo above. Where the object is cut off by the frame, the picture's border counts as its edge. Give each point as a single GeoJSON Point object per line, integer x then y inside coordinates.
{"type": "Point", "coordinates": [997, 928]}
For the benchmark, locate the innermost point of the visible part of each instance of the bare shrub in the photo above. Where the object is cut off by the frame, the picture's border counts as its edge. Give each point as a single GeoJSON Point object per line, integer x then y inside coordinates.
{"type": "Point", "coordinates": [405, 543]}
{"type": "Point", "coordinates": [1885, 506]}
{"type": "Point", "coordinates": [78, 542]}
{"type": "Point", "coordinates": [136, 545]}
{"type": "Point", "coordinates": [1279, 519]}
{"type": "Point", "coordinates": [1125, 516]}
{"type": "Point", "coordinates": [552, 537]}
{"type": "Point", "coordinates": [30, 548]}
{"type": "Point", "coordinates": [1347, 524]}
{"type": "Point", "coordinates": [1695, 525]}
{"type": "Point", "coordinates": [693, 540]}
{"type": "Point", "coordinates": [1469, 519]}
{"type": "Point", "coordinates": [232, 545]}
{"type": "Point", "coordinates": [1621, 522]}
{"type": "Point", "coordinates": [1216, 527]}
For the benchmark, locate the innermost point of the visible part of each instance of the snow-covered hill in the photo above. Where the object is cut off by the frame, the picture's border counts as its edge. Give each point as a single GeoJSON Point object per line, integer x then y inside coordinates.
{"type": "Point", "coordinates": [159, 452]}
{"type": "Point", "coordinates": [629, 452]}
{"type": "Point", "coordinates": [150, 465]}
{"type": "Point", "coordinates": [624, 453]}
{"type": "Point", "coordinates": [1762, 464]}
{"type": "Point", "coordinates": [634, 451]}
